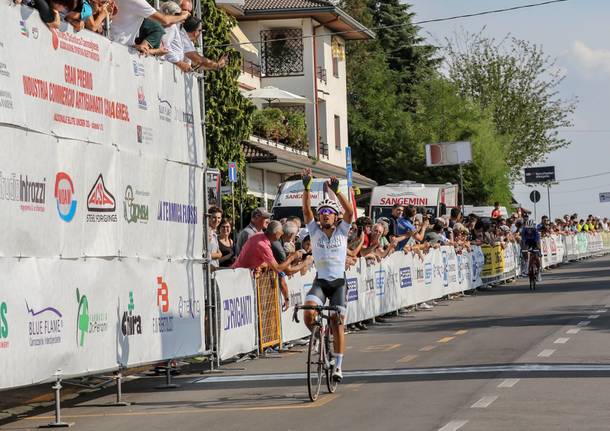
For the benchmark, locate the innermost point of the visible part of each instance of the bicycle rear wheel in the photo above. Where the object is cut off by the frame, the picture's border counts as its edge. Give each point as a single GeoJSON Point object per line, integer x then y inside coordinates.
{"type": "Point", "coordinates": [331, 383]}
{"type": "Point", "coordinates": [314, 363]}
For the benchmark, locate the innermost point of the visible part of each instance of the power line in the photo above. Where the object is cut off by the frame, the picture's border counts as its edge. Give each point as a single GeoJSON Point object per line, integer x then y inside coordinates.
{"type": "Point", "coordinates": [450, 18]}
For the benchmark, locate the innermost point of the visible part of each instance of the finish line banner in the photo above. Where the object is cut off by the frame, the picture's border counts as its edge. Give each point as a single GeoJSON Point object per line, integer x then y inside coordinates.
{"type": "Point", "coordinates": [82, 86]}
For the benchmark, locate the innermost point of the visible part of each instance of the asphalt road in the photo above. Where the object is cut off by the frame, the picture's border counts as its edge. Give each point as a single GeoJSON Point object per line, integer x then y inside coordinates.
{"type": "Point", "coordinates": [505, 359]}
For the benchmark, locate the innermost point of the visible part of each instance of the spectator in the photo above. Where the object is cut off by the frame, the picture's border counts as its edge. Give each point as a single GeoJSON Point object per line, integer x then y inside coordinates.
{"type": "Point", "coordinates": [130, 16]}
{"type": "Point", "coordinates": [435, 236]}
{"type": "Point", "coordinates": [77, 17]}
{"type": "Point", "coordinates": [101, 10]}
{"type": "Point", "coordinates": [401, 228]}
{"type": "Point", "coordinates": [259, 220]}
{"type": "Point", "coordinates": [149, 38]}
{"type": "Point", "coordinates": [225, 244]}
{"type": "Point", "coordinates": [189, 33]}
{"type": "Point", "coordinates": [214, 218]}
{"type": "Point", "coordinates": [306, 246]}
{"type": "Point", "coordinates": [49, 10]}
{"type": "Point", "coordinates": [456, 217]}
{"type": "Point", "coordinates": [257, 253]}
{"type": "Point", "coordinates": [496, 212]}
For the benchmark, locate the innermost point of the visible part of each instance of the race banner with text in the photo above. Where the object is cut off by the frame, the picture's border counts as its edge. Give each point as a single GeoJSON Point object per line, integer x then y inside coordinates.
{"type": "Point", "coordinates": [77, 317]}
{"type": "Point", "coordinates": [82, 86]}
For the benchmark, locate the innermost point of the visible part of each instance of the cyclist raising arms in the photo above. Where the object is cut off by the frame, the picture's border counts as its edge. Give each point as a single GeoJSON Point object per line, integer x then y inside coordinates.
{"type": "Point", "coordinates": [329, 249]}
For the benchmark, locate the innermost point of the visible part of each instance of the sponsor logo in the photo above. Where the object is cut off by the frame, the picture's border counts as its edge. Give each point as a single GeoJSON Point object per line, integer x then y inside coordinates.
{"type": "Point", "coordinates": [419, 274]}
{"type": "Point", "coordinates": [24, 29]}
{"type": "Point", "coordinates": [405, 277]}
{"type": "Point", "coordinates": [380, 282]}
{"type": "Point", "coordinates": [6, 99]}
{"type": "Point", "coordinates": [138, 68]}
{"type": "Point", "coordinates": [177, 213]}
{"type": "Point", "coordinates": [144, 135]}
{"type": "Point", "coordinates": [64, 195]}
{"type": "Point", "coordinates": [296, 298]}
{"type": "Point", "coordinates": [101, 202]}
{"type": "Point", "coordinates": [54, 39]}
{"type": "Point", "coordinates": [428, 272]}
{"type": "Point", "coordinates": [165, 110]}
{"type": "Point", "coordinates": [142, 99]}
{"type": "Point", "coordinates": [86, 322]}
{"type": "Point", "coordinates": [4, 343]}
{"type": "Point", "coordinates": [35, 32]}
{"type": "Point", "coordinates": [188, 307]}
{"type": "Point", "coordinates": [45, 326]}
{"type": "Point", "coordinates": [460, 268]}
{"type": "Point", "coordinates": [133, 211]}
{"type": "Point", "coordinates": [165, 322]}
{"type": "Point", "coordinates": [4, 70]}
{"type": "Point", "coordinates": [352, 289]}
{"type": "Point", "coordinates": [31, 194]}
{"type": "Point", "coordinates": [238, 312]}
{"type": "Point", "coordinates": [452, 268]}
{"type": "Point", "coordinates": [131, 323]}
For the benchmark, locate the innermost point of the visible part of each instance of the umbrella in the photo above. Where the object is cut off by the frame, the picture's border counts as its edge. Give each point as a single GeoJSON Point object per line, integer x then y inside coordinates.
{"type": "Point", "coordinates": [271, 94]}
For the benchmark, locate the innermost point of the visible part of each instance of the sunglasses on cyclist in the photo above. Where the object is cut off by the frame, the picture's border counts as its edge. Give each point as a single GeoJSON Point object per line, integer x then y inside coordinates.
{"type": "Point", "coordinates": [326, 211]}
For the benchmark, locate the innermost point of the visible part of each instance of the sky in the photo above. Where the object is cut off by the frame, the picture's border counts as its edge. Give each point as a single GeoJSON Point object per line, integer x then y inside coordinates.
{"type": "Point", "coordinates": [577, 35]}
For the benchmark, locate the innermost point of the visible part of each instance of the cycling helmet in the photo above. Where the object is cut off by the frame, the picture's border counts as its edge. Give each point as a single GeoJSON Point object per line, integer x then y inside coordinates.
{"type": "Point", "coordinates": [329, 203]}
{"type": "Point", "coordinates": [530, 223]}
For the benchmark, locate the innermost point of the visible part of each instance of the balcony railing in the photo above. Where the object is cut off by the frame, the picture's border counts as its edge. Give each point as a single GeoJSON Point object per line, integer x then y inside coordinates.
{"type": "Point", "coordinates": [251, 68]}
{"type": "Point", "coordinates": [322, 74]}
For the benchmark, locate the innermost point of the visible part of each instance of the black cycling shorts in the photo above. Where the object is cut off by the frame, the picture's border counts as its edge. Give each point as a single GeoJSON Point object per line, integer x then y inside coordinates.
{"type": "Point", "coordinates": [335, 291]}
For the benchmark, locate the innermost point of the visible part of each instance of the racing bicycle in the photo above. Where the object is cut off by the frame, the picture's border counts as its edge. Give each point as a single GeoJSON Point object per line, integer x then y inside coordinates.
{"type": "Point", "coordinates": [320, 355]}
{"type": "Point", "coordinates": [533, 267]}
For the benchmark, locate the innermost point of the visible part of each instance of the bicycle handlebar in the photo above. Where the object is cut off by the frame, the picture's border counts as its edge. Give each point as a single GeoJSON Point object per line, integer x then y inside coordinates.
{"type": "Point", "coordinates": [295, 316]}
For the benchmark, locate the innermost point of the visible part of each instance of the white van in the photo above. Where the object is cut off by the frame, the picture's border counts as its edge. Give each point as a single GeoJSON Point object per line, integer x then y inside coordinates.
{"type": "Point", "coordinates": [289, 199]}
{"type": "Point", "coordinates": [437, 199]}
{"type": "Point", "coordinates": [483, 212]}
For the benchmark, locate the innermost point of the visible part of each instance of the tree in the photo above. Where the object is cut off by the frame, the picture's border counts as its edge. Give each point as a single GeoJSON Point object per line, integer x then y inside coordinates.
{"type": "Point", "coordinates": [515, 81]}
{"type": "Point", "coordinates": [228, 114]}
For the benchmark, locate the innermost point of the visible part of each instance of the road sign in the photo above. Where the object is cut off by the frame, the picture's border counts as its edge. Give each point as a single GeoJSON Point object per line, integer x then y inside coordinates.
{"type": "Point", "coordinates": [604, 197]}
{"type": "Point", "coordinates": [348, 165]}
{"type": "Point", "coordinates": [535, 196]}
{"type": "Point", "coordinates": [233, 172]}
{"type": "Point", "coordinates": [542, 174]}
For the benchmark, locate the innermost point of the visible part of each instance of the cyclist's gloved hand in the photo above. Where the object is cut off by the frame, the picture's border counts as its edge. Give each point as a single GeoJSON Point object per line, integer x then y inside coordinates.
{"type": "Point", "coordinates": [307, 178]}
{"type": "Point", "coordinates": [334, 184]}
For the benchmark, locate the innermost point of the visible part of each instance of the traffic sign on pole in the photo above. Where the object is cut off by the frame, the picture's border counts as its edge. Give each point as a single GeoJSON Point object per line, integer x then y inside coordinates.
{"type": "Point", "coordinates": [535, 196]}
{"type": "Point", "coordinates": [233, 172]}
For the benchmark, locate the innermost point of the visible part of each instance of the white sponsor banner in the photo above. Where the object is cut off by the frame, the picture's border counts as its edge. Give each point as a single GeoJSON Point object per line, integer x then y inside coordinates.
{"type": "Point", "coordinates": [93, 90]}
{"type": "Point", "coordinates": [298, 287]}
{"type": "Point", "coordinates": [60, 197]}
{"type": "Point", "coordinates": [76, 317]}
{"type": "Point", "coordinates": [237, 304]}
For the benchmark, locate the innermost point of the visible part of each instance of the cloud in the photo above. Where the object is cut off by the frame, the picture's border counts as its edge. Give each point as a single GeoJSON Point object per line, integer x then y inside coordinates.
{"type": "Point", "coordinates": [592, 60]}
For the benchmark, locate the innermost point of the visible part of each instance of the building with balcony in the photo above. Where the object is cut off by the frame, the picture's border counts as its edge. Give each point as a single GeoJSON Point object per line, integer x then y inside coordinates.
{"type": "Point", "coordinates": [298, 46]}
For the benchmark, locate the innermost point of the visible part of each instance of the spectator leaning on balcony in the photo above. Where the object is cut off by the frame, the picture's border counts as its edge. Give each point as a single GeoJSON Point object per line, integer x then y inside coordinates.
{"type": "Point", "coordinates": [130, 16]}
{"type": "Point", "coordinates": [189, 33]}
{"type": "Point", "coordinates": [258, 221]}
{"type": "Point", "coordinates": [50, 10]}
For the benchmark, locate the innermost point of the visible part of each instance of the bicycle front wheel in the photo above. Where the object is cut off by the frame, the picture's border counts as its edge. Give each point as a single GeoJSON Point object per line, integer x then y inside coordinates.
{"type": "Point", "coordinates": [314, 363]}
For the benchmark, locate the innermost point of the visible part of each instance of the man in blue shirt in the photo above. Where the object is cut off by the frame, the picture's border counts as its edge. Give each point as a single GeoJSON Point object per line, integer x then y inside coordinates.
{"type": "Point", "coordinates": [401, 228]}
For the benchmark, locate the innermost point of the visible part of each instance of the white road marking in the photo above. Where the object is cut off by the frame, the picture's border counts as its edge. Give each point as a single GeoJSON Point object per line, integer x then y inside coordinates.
{"type": "Point", "coordinates": [484, 402]}
{"type": "Point", "coordinates": [573, 331]}
{"type": "Point", "coordinates": [453, 426]}
{"type": "Point", "coordinates": [508, 383]}
{"type": "Point", "coordinates": [593, 316]}
{"type": "Point", "coordinates": [583, 323]}
{"type": "Point", "coordinates": [562, 340]}
{"type": "Point", "coordinates": [519, 368]}
{"type": "Point", "coordinates": [546, 353]}
{"type": "Point", "coordinates": [601, 311]}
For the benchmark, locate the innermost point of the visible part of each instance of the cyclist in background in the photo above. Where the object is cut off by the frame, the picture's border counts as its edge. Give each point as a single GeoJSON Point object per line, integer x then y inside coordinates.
{"type": "Point", "coordinates": [530, 241]}
{"type": "Point", "coordinates": [329, 249]}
